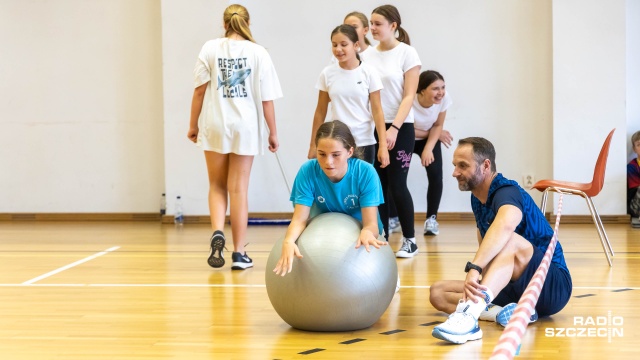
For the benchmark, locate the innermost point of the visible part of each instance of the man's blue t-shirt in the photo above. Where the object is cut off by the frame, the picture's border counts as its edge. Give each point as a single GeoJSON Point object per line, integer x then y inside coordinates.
{"type": "Point", "coordinates": [533, 226]}
{"type": "Point", "coordinates": [360, 187]}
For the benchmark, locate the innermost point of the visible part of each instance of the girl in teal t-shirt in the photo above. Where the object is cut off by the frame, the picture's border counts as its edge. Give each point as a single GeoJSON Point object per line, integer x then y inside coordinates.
{"type": "Point", "coordinates": [334, 182]}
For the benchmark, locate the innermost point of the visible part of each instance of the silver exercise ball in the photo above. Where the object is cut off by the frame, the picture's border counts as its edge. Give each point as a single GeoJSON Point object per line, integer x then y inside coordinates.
{"type": "Point", "coordinates": [334, 287]}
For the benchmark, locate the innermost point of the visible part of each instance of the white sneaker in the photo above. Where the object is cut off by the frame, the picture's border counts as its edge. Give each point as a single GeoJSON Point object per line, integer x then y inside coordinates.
{"type": "Point", "coordinates": [504, 315]}
{"type": "Point", "coordinates": [408, 249]}
{"type": "Point", "coordinates": [459, 328]}
{"type": "Point", "coordinates": [398, 285]}
{"type": "Point", "coordinates": [394, 225]}
{"type": "Point", "coordinates": [431, 226]}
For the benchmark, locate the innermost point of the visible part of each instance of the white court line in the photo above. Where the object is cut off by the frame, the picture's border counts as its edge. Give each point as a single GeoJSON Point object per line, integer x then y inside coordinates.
{"type": "Point", "coordinates": [575, 287]}
{"type": "Point", "coordinates": [261, 286]}
{"type": "Point", "coordinates": [606, 287]}
{"type": "Point", "coordinates": [43, 285]}
{"type": "Point", "coordinates": [51, 273]}
{"type": "Point", "coordinates": [182, 285]}
{"type": "Point", "coordinates": [139, 285]}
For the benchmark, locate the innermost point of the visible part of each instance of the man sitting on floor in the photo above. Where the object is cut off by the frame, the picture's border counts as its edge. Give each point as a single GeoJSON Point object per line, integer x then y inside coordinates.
{"type": "Point", "coordinates": [513, 236]}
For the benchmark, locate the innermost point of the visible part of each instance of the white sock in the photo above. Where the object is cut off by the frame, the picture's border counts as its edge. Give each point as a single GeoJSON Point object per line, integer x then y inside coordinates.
{"type": "Point", "coordinates": [476, 308]}
{"type": "Point", "coordinates": [413, 240]}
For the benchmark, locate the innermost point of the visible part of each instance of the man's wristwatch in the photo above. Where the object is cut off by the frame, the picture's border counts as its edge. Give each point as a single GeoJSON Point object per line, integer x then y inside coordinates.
{"type": "Point", "coordinates": [472, 266]}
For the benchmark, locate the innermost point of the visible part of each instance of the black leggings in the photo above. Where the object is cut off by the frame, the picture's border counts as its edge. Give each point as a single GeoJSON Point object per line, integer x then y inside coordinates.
{"type": "Point", "coordinates": [367, 153]}
{"type": "Point", "coordinates": [394, 181]}
{"type": "Point", "coordinates": [434, 176]}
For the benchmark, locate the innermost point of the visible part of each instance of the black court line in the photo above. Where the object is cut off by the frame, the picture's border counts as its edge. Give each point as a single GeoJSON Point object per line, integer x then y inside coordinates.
{"type": "Point", "coordinates": [352, 341]}
{"type": "Point", "coordinates": [391, 332]}
{"type": "Point", "coordinates": [431, 323]}
{"type": "Point", "coordinates": [621, 290]}
{"type": "Point", "coordinates": [311, 351]}
{"type": "Point", "coordinates": [584, 296]}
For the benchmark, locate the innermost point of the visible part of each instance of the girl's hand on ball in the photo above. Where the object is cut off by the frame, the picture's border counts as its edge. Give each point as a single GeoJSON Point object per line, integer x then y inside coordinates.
{"type": "Point", "coordinates": [366, 238]}
{"type": "Point", "coordinates": [285, 264]}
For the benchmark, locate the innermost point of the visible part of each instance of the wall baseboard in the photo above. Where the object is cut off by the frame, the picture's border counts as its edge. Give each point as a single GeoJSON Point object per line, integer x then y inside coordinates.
{"type": "Point", "coordinates": [204, 219]}
{"type": "Point", "coordinates": [587, 219]}
{"type": "Point", "coordinates": [80, 217]}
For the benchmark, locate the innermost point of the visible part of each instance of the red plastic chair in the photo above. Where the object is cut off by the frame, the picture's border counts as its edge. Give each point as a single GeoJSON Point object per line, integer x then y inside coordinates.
{"type": "Point", "coordinates": [585, 190]}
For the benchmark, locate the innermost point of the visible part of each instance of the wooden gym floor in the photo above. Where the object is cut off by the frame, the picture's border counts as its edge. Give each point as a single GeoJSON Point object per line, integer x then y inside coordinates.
{"type": "Point", "coordinates": [132, 290]}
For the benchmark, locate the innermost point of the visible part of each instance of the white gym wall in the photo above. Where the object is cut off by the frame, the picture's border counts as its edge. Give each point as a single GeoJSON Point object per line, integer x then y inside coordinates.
{"type": "Point", "coordinates": [96, 94]}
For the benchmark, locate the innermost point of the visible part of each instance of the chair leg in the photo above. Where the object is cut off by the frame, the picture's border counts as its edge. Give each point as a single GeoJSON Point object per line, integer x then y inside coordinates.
{"type": "Point", "coordinates": [543, 203]}
{"type": "Point", "coordinates": [606, 245]}
{"type": "Point", "coordinates": [606, 238]}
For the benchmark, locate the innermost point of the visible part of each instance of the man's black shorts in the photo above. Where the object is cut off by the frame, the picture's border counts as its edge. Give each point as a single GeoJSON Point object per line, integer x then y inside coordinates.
{"type": "Point", "coordinates": [556, 290]}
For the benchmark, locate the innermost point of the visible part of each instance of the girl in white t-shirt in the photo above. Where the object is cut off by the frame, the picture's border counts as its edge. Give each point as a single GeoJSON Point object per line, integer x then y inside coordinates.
{"type": "Point", "coordinates": [353, 88]}
{"type": "Point", "coordinates": [430, 109]}
{"type": "Point", "coordinates": [360, 23]}
{"type": "Point", "coordinates": [398, 65]}
{"type": "Point", "coordinates": [235, 85]}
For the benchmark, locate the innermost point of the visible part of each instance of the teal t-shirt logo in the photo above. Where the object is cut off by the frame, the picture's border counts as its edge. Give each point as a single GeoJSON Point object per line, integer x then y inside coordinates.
{"type": "Point", "coordinates": [351, 202]}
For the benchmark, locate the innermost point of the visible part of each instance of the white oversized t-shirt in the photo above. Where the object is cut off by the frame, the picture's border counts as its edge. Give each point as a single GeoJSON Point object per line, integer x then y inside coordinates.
{"type": "Point", "coordinates": [349, 92]}
{"type": "Point", "coordinates": [240, 77]}
{"type": "Point", "coordinates": [391, 66]}
{"type": "Point", "coordinates": [424, 118]}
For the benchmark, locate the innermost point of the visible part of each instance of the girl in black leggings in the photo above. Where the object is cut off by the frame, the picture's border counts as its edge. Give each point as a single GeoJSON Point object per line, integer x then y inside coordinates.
{"type": "Point", "coordinates": [430, 109]}
{"type": "Point", "coordinates": [434, 190]}
{"type": "Point", "coordinates": [398, 65]}
{"type": "Point", "coordinates": [394, 181]}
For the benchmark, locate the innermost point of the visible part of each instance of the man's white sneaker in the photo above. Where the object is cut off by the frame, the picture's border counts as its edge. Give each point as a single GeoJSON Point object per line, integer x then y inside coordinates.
{"type": "Point", "coordinates": [408, 249]}
{"type": "Point", "coordinates": [431, 226]}
{"type": "Point", "coordinates": [459, 328]}
{"type": "Point", "coordinates": [504, 315]}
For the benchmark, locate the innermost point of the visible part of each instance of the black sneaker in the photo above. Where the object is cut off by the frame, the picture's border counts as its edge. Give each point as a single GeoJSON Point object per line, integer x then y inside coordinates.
{"type": "Point", "coordinates": [408, 249]}
{"type": "Point", "coordinates": [241, 261]}
{"type": "Point", "coordinates": [216, 257]}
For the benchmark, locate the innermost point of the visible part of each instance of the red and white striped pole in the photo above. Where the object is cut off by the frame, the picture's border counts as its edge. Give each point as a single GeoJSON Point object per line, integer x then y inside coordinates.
{"type": "Point", "coordinates": [512, 335]}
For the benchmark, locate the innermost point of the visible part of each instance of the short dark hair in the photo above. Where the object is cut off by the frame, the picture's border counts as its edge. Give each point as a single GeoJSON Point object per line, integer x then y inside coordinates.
{"type": "Point", "coordinates": [482, 150]}
{"type": "Point", "coordinates": [635, 137]}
